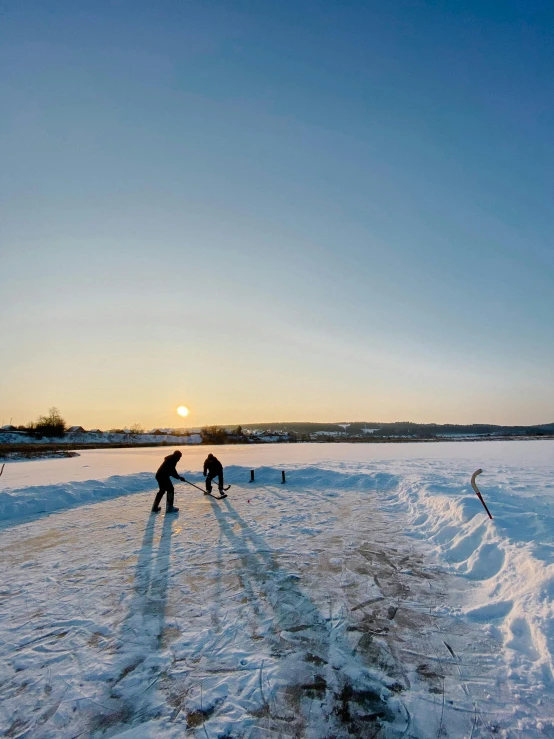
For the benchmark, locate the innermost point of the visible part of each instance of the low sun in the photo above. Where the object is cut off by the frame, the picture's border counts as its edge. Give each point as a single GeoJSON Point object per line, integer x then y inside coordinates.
{"type": "Point", "coordinates": [183, 410]}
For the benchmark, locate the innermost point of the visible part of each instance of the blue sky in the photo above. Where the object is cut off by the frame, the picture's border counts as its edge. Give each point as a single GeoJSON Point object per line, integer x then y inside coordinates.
{"type": "Point", "coordinates": [277, 211]}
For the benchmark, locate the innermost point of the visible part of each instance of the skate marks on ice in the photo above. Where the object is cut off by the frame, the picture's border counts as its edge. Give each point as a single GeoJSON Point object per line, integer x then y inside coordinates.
{"type": "Point", "coordinates": [83, 609]}
{"type": "Point", "coordinates": [139, 658]}
{"type": "Point", "coordinates": [309, 680]}
{"type": "Point", "coordinates": [282, 619]}
{"type": "Point", "coordinates": [328, 636]}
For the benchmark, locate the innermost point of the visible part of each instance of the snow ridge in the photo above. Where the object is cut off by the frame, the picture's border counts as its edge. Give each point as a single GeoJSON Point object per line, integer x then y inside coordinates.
{"type": "Point", "coordinates": [30, 502]}
{"type": "Point", "coordinates": [509, 561]}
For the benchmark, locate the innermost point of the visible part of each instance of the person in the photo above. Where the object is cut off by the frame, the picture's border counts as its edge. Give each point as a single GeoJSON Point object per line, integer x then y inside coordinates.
{"type": "Point", "coordinates": [167, 470]}
{"type": "Point", "coordinates": [213, 468]}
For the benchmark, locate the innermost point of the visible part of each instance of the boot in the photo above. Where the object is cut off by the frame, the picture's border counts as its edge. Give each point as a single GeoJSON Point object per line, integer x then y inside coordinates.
{"type": "Point", "coordinates": [170, 508]}
{"type": "Point", "coordinates": [156, 507]}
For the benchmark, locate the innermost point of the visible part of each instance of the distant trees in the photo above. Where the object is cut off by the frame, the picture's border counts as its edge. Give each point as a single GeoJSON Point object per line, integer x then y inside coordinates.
{"type": "Point", "coordinates": [222, 435]}
{"type": "Point", "coordinates": [213, 435]}
{"type": "Point", "coordinates": [136, 428]}
{"type": "Point", "coordinates": [50, 425]}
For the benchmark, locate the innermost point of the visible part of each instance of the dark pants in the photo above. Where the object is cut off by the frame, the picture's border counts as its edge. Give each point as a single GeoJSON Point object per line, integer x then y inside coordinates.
{"type": "Point", "coordinates": [166, 486]}
{"type": "Point", "coordinates": [212, 476]}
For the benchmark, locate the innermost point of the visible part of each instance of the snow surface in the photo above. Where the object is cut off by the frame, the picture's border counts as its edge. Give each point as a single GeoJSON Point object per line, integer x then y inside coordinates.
{"type": "Point", "coordinates": [369, 596]}
{"type": "Point", "coordinates": [98, 438]}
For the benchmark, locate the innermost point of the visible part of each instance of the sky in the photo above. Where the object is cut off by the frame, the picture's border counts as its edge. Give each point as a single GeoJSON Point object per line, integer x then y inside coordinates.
{"type": "Point", "coordinates": [277, 211]}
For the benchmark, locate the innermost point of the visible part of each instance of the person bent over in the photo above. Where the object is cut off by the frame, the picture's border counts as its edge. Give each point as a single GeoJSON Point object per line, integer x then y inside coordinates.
{"type": "Point", "coordinates": [213, 468]}
{"type": "Point", "coordinates": [168, 469]}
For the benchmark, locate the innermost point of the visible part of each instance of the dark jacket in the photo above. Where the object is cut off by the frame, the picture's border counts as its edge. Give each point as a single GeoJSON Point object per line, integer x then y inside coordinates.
{"type": "Point", "coordinates": [213, 467]}
{"type": "Point", "coordinates": [168, 468]}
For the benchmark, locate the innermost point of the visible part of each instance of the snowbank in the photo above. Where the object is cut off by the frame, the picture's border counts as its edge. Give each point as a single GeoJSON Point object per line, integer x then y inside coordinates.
{"type": "Point", "coordinates": [509, 560]}
{"type": "Point", "coordinates": [29, 502]}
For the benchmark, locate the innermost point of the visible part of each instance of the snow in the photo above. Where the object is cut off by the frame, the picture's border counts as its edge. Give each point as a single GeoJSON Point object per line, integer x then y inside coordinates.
{"type": "Point", "coordinates": [369, 596]}
{"type": "Point", "coordinates": [17, 503]}
{"type": "Point", "coordinates": [76, 435]}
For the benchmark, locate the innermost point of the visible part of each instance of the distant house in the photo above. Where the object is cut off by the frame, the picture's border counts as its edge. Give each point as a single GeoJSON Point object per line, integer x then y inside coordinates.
{"type": "Point", "coordinates": [8, 427]}
{"type": "Point", "coordinates": [76, 430]}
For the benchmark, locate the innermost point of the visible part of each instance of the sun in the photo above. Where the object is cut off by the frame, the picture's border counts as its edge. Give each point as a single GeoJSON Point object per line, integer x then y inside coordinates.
{"type": "Point", "coordinates": [182, 410]}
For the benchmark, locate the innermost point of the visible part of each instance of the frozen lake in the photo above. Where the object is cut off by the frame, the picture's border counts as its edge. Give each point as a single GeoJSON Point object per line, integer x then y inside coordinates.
{"type": "Point", "coordinates": [100, 463]}
{"type": "Point", "coordinates": [369, 592]}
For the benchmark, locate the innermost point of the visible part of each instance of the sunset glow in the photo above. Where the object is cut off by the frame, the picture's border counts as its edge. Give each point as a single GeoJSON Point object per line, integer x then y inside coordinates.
{"type": "Point", "coordinates": [183, 410]}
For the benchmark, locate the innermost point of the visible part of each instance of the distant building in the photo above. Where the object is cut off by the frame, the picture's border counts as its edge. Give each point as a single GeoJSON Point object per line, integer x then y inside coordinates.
{"type": "Point", "coordinates": [76, 430]}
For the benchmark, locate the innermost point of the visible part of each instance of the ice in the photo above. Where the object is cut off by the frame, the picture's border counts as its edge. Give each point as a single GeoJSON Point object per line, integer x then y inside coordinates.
{"type": "Point", "coordinates": [369, 596]}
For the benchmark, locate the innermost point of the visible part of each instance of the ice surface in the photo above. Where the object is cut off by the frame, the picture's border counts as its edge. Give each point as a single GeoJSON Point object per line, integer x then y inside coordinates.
{"type": "Point", "coordinates": [369, 596]}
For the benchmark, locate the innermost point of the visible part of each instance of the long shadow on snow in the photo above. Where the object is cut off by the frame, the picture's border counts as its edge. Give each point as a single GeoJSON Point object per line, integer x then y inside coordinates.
{"type": "Point", "coordinates": [141, 633]}
{"type": "Point", "coordinates": [316, 660]}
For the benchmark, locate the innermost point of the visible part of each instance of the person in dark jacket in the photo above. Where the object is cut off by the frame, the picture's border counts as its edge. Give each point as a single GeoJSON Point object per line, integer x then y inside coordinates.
{"type": "Point", "coordinates": [213, 468]}
{"type": "Point", "coordinates": [168, 469]}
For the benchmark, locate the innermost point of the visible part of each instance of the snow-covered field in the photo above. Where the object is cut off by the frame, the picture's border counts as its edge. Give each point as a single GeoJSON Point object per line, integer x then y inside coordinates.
{"type": "Point", "coordinates": [97, 439]}
{"type": "Point", "coordinates": [368, 596]}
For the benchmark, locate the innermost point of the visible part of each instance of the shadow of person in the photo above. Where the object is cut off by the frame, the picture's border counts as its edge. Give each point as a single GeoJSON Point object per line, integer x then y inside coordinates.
{"type": "Point", "coordinates": [290, 605]}
{"type": "Point", "coordinates": [141, 633]}
{"type": "Point", "coordinates": [311, 648]}
{"type": "Point", "coordinates": [143, 567]}
{"type": "Point", "coordinates": [142, 629]}
{"type": "Point", "coordinates": [156, 606]}
{"type": "Point", "coordinates": [145, 619]}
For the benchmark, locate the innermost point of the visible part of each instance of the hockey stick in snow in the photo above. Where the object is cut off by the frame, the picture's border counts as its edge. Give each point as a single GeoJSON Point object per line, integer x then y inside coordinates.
{"type": "Point", "coordinates": [474, 486]}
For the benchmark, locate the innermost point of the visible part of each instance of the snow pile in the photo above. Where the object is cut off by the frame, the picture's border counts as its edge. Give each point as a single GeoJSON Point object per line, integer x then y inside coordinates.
{"type": "Point", "coordinates": [509, 560]}
{"type": "Point", "coordinates": [20, 503]}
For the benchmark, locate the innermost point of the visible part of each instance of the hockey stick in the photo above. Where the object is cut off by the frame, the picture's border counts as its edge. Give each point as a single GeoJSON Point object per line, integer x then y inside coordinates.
{"type": "Point", "coordinates": [203, 491]}
{"type": "Point", "coordinates": [194, 486]}
{"type": "Point", "coordinates": [474, 486]}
